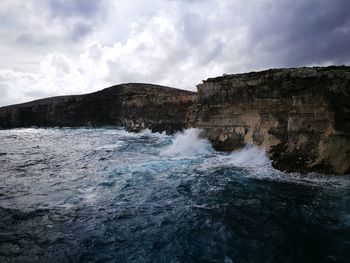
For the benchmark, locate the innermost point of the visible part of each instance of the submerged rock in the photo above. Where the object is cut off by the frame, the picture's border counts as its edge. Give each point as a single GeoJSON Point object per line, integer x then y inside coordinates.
{"type": "Point", "coordinates": [300, 116]}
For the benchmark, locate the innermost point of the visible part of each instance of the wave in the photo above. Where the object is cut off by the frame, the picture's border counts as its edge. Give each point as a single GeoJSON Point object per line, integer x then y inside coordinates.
{"type": "Point", "coordinates": [249, 156]}
{"type": "Point", "coordinates": [188, 144]}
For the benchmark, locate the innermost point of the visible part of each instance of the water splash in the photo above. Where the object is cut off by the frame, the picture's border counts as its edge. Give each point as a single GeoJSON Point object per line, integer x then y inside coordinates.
{"type": "Point", "coordinates": [249, 156]}
{"type": "Point", "coordinates": [188, 144]}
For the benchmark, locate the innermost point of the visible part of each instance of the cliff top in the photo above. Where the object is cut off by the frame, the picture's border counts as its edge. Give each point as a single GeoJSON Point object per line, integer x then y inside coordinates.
{"type": "Point", "coordinates": [128, 89]}
{"type": "Point", "coordinates": [144, 88]}
{"type": "Point", "coordinates": [302, 72]}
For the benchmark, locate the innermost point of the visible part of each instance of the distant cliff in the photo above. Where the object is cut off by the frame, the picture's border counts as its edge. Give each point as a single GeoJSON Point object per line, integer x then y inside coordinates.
{"type": "Point", "coordinates": [133, 106]}
{"type": "Point", "coordinates": [300, 116]}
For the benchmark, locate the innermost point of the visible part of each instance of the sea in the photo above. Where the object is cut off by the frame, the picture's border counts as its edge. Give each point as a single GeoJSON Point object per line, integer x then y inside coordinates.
{"type": "Point", "coordinates": [107, 195]}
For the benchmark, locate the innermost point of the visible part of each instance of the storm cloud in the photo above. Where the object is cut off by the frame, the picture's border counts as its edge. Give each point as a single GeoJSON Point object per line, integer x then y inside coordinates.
{"type": "Point", "coordinates": [56, 47]}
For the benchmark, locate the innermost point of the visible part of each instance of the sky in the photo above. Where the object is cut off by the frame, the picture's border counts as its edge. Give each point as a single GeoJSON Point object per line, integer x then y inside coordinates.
{"type": "Point", "coordinates": [60, 47]}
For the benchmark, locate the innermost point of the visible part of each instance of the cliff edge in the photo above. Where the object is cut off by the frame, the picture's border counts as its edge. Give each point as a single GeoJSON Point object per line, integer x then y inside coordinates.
{"type": "Point", "coordinates": [300, 116]}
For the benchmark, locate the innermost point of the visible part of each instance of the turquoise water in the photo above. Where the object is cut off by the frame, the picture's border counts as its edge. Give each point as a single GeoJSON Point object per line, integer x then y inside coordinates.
{"type": "Point", "coordinates": [105, 195]}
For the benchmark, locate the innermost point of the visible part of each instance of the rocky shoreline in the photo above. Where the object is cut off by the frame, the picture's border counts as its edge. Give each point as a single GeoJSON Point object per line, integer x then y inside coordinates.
{"type": "Point", "coordinates": [300, 116]}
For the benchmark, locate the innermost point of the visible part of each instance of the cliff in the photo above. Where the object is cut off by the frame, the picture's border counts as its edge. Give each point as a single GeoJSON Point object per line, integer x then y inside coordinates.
{"type": "Point", "coordinates": [133, 106]}
{"type": "Point", "coordinates": [299, 116]}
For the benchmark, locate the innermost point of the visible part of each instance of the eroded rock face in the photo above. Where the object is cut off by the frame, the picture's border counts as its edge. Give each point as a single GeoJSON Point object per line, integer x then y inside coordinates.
{"type": "Point", "coordinates": [157, 108]}
{"type": "Point", "coordinates": [300, 116]}
{"type": "Point", "coordinates": [133, 106]}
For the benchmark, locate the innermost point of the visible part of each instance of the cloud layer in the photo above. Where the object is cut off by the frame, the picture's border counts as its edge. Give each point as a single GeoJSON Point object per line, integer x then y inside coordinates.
{"type": "Point", "coordinates": [56, 47]}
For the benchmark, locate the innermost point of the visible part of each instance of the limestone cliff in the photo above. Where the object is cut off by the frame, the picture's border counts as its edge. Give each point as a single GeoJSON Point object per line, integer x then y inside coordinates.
{"type": "Point", "coordinates": [133, 106]}
{"type": "Point", "coordinates": [300, 116]}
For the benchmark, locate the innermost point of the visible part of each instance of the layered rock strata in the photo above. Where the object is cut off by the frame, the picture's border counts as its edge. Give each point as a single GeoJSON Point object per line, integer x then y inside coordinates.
{"type": "Point", "coordinates": [300, 116]}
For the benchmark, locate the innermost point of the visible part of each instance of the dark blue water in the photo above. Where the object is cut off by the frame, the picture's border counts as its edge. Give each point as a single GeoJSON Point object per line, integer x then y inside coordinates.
{"type": "Point", "coordinates": [105, 195]}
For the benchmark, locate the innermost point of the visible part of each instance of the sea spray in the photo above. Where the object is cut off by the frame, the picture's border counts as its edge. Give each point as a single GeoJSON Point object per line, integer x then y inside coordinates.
{"type": "Point", "coordinates": [188, 144]}
{"type": "Point", "coordinates": [249, 156]}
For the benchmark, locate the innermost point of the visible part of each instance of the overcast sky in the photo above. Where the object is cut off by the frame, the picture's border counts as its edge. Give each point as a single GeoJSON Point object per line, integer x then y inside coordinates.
{"type": "Point", "coordinates": [56, 47]}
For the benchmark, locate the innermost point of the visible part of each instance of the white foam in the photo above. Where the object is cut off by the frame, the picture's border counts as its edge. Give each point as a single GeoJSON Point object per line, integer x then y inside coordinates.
{"type": "Point", "coordinates": [249, 156]}
{"type": "Point", "coordinates": [188, 144]}
{"type": "Point", "coordinates": [145, 132]}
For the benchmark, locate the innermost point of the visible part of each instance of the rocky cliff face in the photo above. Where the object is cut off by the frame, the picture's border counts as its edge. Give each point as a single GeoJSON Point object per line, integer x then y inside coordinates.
{"type": "Point", "coordinates": [300, 116]}
{"type": "Point", "coordinates": [133, 106]}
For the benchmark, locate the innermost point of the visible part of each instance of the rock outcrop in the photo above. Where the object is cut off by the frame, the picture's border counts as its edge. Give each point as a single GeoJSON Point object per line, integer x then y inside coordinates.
{"type": "Point", "coordinates": [300, 116]}
{"type": "Point", "coordinates": [133, 106]}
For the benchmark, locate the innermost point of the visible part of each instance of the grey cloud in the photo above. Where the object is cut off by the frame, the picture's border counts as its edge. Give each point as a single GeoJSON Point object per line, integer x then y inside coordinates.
{"type": "Point", "coordinates": [83, 8]}
{"type": "Point", "coordinates": [4, 89]}
{"type": "Point", "coordinates": [214, 51]}
{"type": "Point", "coordinates": [34, 40]}
{"type": "Point", "coordinates": [304, 32]}
{"type": "Point", "coordinates": [80, 30]}
{"type": "Point", "coordinates": [195, 28]}
{"type": "Point", "coordinates": [79, 16]}
{"type": "Point", "coordinates": [191, 1]}
{"type": "Point", "coordinates": [38, 94]}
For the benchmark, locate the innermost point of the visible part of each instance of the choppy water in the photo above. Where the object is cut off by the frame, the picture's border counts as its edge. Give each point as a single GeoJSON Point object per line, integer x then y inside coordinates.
{"type": "Point", "coordinates": [105, 195]}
